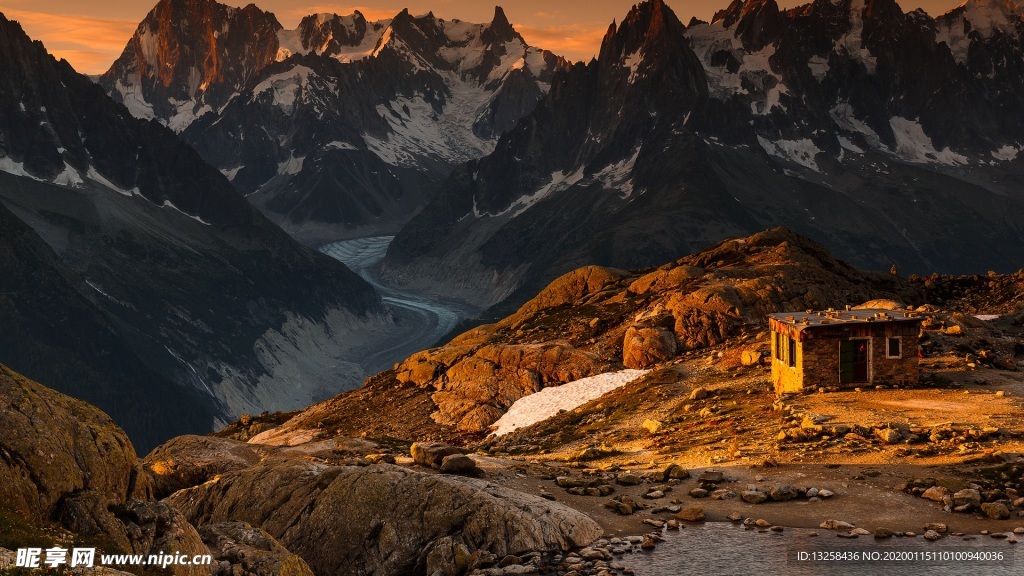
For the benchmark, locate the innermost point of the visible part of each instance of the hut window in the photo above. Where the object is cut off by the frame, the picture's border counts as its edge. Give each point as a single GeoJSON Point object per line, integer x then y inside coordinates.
{"type": "Point", "coordinates": [893, 347]}
{"type": "Point", "coordinates": [792, 352]}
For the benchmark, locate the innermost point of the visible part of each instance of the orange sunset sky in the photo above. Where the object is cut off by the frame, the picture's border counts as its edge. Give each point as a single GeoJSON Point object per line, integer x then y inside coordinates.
{"type": "Point", "coordinates": [91, 34]}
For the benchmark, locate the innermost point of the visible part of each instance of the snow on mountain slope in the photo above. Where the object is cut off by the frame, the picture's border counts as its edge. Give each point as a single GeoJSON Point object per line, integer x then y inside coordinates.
{"type": "Point", "coordinates": [378, 112]}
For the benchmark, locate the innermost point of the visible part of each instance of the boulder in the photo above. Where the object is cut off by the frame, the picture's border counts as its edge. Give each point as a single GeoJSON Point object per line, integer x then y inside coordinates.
{"type": "Point", "coordinates": [750, 357]}
{"type": "Point", "coordinates": [967, 497]}
{"type": "Point", "coordinates": [349, 520]}
{"type": "Point", "coordinates": [239, 549]}
{"type": "Point", "coordinates": [431, 454]}
{"type": "Point", "coordinates": [888, 435]}
{"type": "Point", "coordinates": [672, 471]}
{"type": "Point", "coordinates": [54, 445]}
{"type": "Point", "coordinates": [691, 514]}
{"type": "Point", "coordinates": [458, 464]}
{"type": "Point", "coordinates": [645, 347]}
{"type": "Point", "coordinates": [783, 493]}
{"type": "Point", "coordinates": [995, 510]}
{"type": "Point", "coordinates": [187, 461]}
{"type": "Point", "coordinates": [936, 493]}
{"type": "Point", "coordinates": [754, 496]}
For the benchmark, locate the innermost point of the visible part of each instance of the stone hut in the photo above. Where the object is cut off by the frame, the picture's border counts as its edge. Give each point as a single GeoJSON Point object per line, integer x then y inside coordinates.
{"type": "Point", "coordinates": [845, 349]}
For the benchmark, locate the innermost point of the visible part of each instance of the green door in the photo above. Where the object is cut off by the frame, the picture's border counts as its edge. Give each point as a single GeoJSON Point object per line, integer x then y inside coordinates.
{"type": "Point", "coordinates": [846, 362]}
{"type": "Point", "coordinates": [853, 361]}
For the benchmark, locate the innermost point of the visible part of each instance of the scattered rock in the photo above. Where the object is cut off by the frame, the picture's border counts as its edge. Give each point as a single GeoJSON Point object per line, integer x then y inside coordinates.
{"type": "Point", "coordinates": [968, 497]}
{"type": "Point", "coordinates": [699, 393]}
{"type": "Point", "coordinates": [882, 533]}
{"type": "Point", "coordinates": [995, 510]}
{"type": "Point", "coordinates": [459, 464]}
{"type": "Point", "coordinates": [431, 454]}
{"type": "Point", "coordinates": [753, 496]}
{"type": "Point", "coordinates": [691, 514]}
{"type": "Point", "coordinates": [652, 426]}
{"type": "Point", "coordinates": [932, 535]}
{"type": "Point", "coordinates": [783, 493]}
{"type": "Point", "coordinates": [936, 493]}
{"type": "Point", "coordinates": [645, 347]}
{"type": "Point", "coordinates": [836, 525]}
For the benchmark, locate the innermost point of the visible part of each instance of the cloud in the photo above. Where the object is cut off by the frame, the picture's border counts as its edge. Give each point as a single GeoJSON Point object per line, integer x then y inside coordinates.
{"type": "Point", "coordinates": [89, 43]}
{"type": "Point", "coordinates": [573, 41]}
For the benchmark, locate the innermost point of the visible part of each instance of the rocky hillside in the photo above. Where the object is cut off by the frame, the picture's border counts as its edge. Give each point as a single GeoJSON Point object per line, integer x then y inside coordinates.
{"type": "Point", "coordinates": [341, 127]}
{"type": "Point", "coordinates": [592, 321]}
{"type": "Point", "coordinates": [887, 136]}
{"type": "Point", "coordinates": [150, 241]}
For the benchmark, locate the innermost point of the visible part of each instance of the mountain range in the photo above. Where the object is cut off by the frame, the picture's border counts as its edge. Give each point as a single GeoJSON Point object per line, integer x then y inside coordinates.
{"type": "Point", "coordinates": [341, 127]}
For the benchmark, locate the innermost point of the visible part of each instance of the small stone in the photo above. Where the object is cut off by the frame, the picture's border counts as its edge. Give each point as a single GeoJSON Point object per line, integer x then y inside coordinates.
{"type": "Point", "coordinates": [825, 493]}
{"type": "Point", "coordinates": [932, 535]}
{"type": "Point", "coordinates": [939, 527]}
{"type": "Point", "coordinates": [734, 517]}
{"type": "Point", "coordinates": [967, 497]}
{"type": "Point", "coordinates": [628, 479]}
{"type": "Point", "coordinates": [699, 493]}
{"type": "Point", "coordinates": [783, 493]}
{"type": "Point", "coordinates": [753, 496]}
{"type": "Point", "coordinates": [995, 510]}
{"type": "Point", "coordinates": [691, 514]}
{"type": "Point", "coordinates": [722, 494]}
{"type": "Point", "coordinates": [936, 493]}
{"type": "Point", "coordinates": [835, 525]}
{"type": "Point", "coordinates": [654, 494]}
{"type": "Point", "coordinates": [652, 426]}
{"type": "Point", "coordinates": [762, 523]}
{"type": "Point", "coordinates": [647, 543]}
{"type": "Point", "coordinates": [860, 532]}
{"type": "Point", "coordinates": [711, 477]}
{"type": "Point", "coordinates": [882, 533]}
{"type": "Point", "coordinates": [776, 528]}
{"type": "Point", "coordinates": [699, 393]}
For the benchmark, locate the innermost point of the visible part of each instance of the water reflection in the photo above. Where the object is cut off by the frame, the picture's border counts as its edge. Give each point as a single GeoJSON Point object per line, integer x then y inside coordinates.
{"type": "Point", "coordinates": [726, 549]}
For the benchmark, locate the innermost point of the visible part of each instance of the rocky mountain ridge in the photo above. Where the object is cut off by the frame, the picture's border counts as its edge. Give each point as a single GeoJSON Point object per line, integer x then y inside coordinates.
{"type": "Point", "coordinates": [853, 122]}
{"type": "Point", "coordinates": [190, 283]}
{"type": "Point", "coordinates": [342, 126]}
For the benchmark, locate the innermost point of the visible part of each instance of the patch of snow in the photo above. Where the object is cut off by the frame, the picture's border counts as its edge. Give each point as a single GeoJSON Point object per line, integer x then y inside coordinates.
{"type": "Point", "coordinates": [550, 401]}
{"type": "Point", "coordinates": [801, 152]}
{"type": "Point", "coordinates": [69, 177]}
{"type": "Point", "coordinates": [559, 181]}
{"type": "Point", "coordinates": [853, 42]}
{"type": "Point", "coordinates": [286, 87]}
{"type": "Point", "coordinates": [818, 66]}
{"type": "Point", "coordinates": [133, 100]}
{"type": "Point", "coordinates": [1006, 153]}
{"type": "Point", "coordinates": [7, 164]}
{"type": "Point", "coordinates": [231, 173]}
{"type": "Point", "coordinates": [338, 145]}
{"type": "Point", "coordinates": [292, 165]}
{"type": "Point", "coordinates": [985, 18]}
{"type": "Point", "coordinates": [843, 115]}
{"type": "Point", "coordinates": [619, 175]}
{"type": "Point", "coordinates": [95, 176]}
{"type": "Point", "coordinates": [167, 204]}
{"type": "Point", "coordinates": [846, 144]}
{"type": "Point", "coordinates": [755, 69]}
{"type": "Point", "coordinates": [632, 62]}
{"type": "Point", "coordinates": [913, 145]}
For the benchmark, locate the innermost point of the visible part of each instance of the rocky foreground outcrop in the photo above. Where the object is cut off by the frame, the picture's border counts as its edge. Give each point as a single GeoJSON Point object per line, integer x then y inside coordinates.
{"type": "Point", "coordinates": [52, 445]}
{"type": "Point", "coordinates": [384, 519]}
